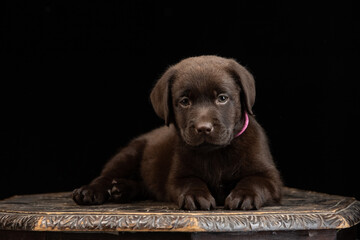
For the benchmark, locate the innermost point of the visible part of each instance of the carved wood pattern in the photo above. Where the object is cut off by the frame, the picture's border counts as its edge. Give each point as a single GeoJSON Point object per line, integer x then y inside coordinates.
{"type": "Point", "coordinates": [300, 210]}
{"type": "Point", "coordinates": [12, 221]}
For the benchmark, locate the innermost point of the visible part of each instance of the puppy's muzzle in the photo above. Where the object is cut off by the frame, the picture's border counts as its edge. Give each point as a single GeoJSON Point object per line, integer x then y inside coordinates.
{"type": "Point", "coordinates": [203, 128]}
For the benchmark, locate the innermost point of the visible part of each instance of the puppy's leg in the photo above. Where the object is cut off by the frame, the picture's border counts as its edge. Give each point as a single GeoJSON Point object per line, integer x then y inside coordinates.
{"type": "Point", "coordinates": [192, 194]}
{"type": "Point", "coordinates": [124, 165]}
{"type": "Point", "coordinates": [253, 192]}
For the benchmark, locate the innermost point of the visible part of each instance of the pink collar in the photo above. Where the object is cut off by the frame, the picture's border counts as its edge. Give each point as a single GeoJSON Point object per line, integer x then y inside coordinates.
{"type": "Point", "coordinates": [245, 125]}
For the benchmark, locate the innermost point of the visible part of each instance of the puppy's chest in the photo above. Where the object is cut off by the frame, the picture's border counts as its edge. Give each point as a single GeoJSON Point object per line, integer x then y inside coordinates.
{"type": "Point", "coordinates": [220, 179]}
{"type": "Point", "coordinates": [220, 171]}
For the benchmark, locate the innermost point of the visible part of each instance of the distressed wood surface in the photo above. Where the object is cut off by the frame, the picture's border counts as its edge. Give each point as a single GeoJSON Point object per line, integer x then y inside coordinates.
{"type": "Point", "coordinates": [300, 210]}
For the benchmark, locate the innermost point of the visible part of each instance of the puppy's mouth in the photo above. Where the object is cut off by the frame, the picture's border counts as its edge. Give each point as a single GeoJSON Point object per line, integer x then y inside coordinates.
{"type": "Point", "coordinates": [206, 146]}
{"type": "Point", "coordinates": [206, 142]}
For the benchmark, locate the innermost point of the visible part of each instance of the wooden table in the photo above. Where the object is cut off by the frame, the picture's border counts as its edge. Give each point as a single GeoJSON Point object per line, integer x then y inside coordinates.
{"type": "Point", "coordinates": [302, 215]}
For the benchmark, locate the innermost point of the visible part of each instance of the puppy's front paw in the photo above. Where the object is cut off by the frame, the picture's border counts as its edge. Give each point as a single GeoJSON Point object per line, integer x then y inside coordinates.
{"type": "Point", "coordinates": [193, 200]}
{"type": "Point", "coordinates": [244, 199]}
{"type": "Point", "coordinates": [88, 195]}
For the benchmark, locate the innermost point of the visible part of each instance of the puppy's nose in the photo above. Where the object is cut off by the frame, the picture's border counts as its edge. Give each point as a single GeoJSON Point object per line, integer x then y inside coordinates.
{"type": "Point", "coordinates": [204, 128]}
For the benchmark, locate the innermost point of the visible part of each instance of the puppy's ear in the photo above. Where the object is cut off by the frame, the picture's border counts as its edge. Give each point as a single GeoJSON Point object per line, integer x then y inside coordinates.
{"type": "Point", "coordinates": [246, 82]}
{"type": "Point", "coordinates": [161, 96]}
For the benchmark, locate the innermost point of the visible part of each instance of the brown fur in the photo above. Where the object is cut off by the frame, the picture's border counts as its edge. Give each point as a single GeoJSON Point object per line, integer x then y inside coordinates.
{"type": "Point", "coordinates": [195, 161]}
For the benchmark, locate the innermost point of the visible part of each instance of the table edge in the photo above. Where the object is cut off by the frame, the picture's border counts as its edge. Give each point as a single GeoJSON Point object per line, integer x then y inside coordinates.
{"type": "Point", "coordinates": [344, 218]}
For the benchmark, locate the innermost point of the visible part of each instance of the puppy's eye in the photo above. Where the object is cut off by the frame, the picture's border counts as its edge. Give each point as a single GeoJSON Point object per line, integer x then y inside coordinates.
{"type": "Point", "coordinates": [222, 98]}
{"type": "Point", "coordinates": [184, 102]}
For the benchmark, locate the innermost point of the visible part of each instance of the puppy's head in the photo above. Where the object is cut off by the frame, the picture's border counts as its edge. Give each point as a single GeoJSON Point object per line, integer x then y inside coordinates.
{"type": "Point", "coordinates": [206, 98]}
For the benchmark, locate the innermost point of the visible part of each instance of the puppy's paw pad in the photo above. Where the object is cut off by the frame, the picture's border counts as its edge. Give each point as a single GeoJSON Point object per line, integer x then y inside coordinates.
{"type": "Point", "coordinates": [88, 195]}
{"type": "Point", "coordinates": [122, 190]}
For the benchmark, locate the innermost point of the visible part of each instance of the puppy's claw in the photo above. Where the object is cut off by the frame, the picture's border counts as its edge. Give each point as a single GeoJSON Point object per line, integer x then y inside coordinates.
{"type": "Point", "coordinates": [114, 190]}
{"type": "Point", "coordinates": [232, 203]}
{"type": "Point", "coordinates": [190, 203]}
{"type": "Point", "coordinates": [196, 202]}
{"type": "Point", "coordinates": [243, 200]}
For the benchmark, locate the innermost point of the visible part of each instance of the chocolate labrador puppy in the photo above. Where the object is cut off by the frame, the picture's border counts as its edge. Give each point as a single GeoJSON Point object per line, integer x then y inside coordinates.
{"type": "Point", "coordinates": [212, 151]}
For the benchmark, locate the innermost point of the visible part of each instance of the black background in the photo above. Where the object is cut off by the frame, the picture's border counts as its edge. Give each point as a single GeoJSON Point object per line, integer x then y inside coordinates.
{"type": "Point", "coordinates": [76, 78]}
